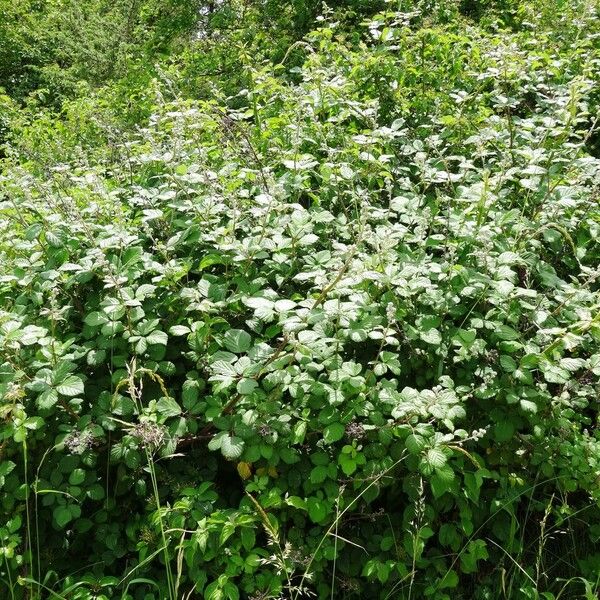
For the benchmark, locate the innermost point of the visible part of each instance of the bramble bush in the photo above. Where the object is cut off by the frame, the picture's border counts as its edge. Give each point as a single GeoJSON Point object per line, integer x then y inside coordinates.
{"type": "Point", "coordinates": [334, 336]}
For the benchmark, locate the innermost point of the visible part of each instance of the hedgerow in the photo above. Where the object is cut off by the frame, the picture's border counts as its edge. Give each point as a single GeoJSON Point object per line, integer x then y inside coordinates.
{"type": "Point", "coordinates": [335, 336]}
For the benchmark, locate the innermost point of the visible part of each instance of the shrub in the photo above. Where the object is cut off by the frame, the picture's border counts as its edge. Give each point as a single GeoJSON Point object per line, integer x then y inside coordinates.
{"type": "Point", "coordinates": [342, 340]}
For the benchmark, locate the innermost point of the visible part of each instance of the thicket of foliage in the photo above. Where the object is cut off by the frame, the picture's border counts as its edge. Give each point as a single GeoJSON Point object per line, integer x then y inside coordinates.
{"type": "Point", "coordinates": [298, 301]}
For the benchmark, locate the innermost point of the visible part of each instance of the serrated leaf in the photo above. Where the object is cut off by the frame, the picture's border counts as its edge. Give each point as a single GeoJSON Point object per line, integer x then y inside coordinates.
{"type": "Point", "coordinates": [77, 477]}
{"type": "Point", "coordinates": [95, 319]}
{"type": "Point", "coordinates": [445, 473]}
{"type": "Point", "coordinates": [317, 509]}
{"type": "Point", "coordinates": [246, 386]}
{"type": "Point", "coordinates": [259, 303]}
{"type": "Point", "coordinates": [431, 336]}
{"type": "Point", "coordinates": [141, 346]}
{"type": "Point", "coordinates": [572, 364]}
{"type": "Point", "coordinates": [232, 447]}
{"type": "Point", "coordinates": [553, 373]}
{"type": "Point", "coordinates": [157, 337]}
{"type": "Point", "coordinates": [215, 443]}
{"type": "Point", "coordinates": [62, 515]}
{"type": "Point", "coordinates": [415, 443]}
{"type": "Point", "coordinates": [333, 433]}
{"type": "Point", "coordinates": [168, 407]}
{"type": "Point", "coordinates": [504, 332]}
{"type": "Point", "coordinates": [528, 406]}
{"type": "Point", "coordinates": [179, 330]}
{"type": "Point", "coordinates": [436, 458]}
{"type": "Point", "coordinates": [47, 399]}
{"type": "Point", "coordinates": [71, 386]}
{"type": "Point", "coordinates": [237, 340]}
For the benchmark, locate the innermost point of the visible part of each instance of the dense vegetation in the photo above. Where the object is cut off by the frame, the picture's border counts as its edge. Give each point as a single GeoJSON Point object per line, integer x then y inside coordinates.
{"type": "Point", "coordinates": [299, 300]}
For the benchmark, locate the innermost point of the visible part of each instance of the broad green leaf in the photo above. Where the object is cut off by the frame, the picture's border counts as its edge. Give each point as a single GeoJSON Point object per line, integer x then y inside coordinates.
{"type": "Point", "coordinates": [71, 386]}
{"type": "Point", "coordinates": [528, 406]}
{"type": "Point", "coordinates": [504, 332]}
{"type": "Point", "coordinates": [317, 509]}
{"type": "Point", "coordinates": [415, 443]}
{"type": "Point", "coordinates": [157, 337]}
{"type": "Point", "coordinates": [47, 399]}
{"type": "Point", "coordinates": [96, 318]}
{"type": "Point", "coordinates": [62, 515]}
{"type": "Point", "coordinates": [436, 458]}
{"type": "Point", "coordinates": [450, 580]}
{"type": "Point", "coordinates": [508, 363]}
{"type": "Point", "coordinates": [179, 330]}
{"type": "Point", "coordinates": [504, 431]}
{"type": "Point", "coordinates": [246, 386]}
{"type": "Point", "coordinates": [432, 336]}
{"type": "Point", "coordinates": [333, 432]}
{"type": "Point", "coordinates": [232, 447]}
{"type": "Point", "coordinates": [237, 341]}
{"type": "Point", "coordinates": [319, 474]}
{"type": "Point", "coordinates": [168, 407]}
{"type": "Point", "coordinates": [77, 477]}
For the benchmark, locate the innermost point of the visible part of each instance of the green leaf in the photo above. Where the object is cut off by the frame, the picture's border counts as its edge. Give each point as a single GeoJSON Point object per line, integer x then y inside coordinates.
{"type": "Point", "coordinates": [215, 443]}
{"type": "Point", "coordinates": [96, 357]}
{"type": "Point", "coordinates": [432, 336]}
{"type": "Point", "coordinates": [436, 458]}
{"type": "Point", "coordinates": [77, 477]}
{"type": "Point", "coordinates": [450, 580]}
{"type": "Point", "coordinates": [246, 386]}
{"type": "Point", "coordinates": [34, 423]}
{"type": "Point", "coordinates": [445, 472]}
{"type": "Point", "coordinates": [319, 474]}
{"type": "Point", "coordinates": [168, 407]}
{"type": "Point", "coordinates": [415, 443]}
{"type": "Point", "coordinates": [440, 485]}
{"type": "Point", "coordinates": [333, 433]}
{"type": "Point", "coordinates": [157, 337]}
{"type": "Point", "coordinates": [508, 363]}
{"type": "Point", "coordinates": [95, 319]}
{"type": "Point", "coordinates": [232, 447]}
{"type": "Point", "coordinates": [141, 346]}
{"type": "Point", "coordinates": [467, 335]}
{"type": "Point", "coordinates": [71, 386]}
{"type": "Point", "coordinates": [96, 492]}
{"type": "Point", "coordinates": [504, 332]}
{"type": "Point", "coordinates": [347, 463]}
{"type": "Point", "coordinates": [504, 431]}
{"type": "Point", "coordinates": [237, 341]}
{"type": "Point", "coordinates": [528, 406]}
{"type": "Point", "coordinates": [476, 550]}
{"type": "Point", "coordinates": [299, 432]}
{"type": "Point", "coordinates": [317, 509]}
{"type": "Point", "coordinates": [6, 467]}
{"type": "Point", "coordinates": [296, 502]}
{"type": "Point", "coordinates": [47, 399]}
{"type": "Point", "coordinates": [179, 330]}
{"type": "Point", "coordinates": [553, 373]}
{"type": "Point", "coordinates": [62, 515]}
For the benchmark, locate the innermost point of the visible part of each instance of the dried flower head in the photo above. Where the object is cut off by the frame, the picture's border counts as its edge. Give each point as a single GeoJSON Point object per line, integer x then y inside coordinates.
{"type": "Point", "coordinates": [264, 430]}
{"type": "Point", "coordinates": [355, 431]}
{"type": "Point", "coordinates": [77, 442]}
{"type": "Point", "coordinates": [150, 434]}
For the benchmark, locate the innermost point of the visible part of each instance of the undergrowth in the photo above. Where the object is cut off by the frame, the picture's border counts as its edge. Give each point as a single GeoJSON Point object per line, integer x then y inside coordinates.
{"type": "Point", "coordinates": [326, 329]}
